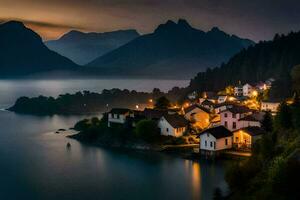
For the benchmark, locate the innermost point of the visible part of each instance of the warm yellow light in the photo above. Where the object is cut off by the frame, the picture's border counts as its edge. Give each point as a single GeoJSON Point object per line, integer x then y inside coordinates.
{"type": "Point", "coordinates": [265, 86]}
{"type": "Point", "coordinates": [150, 100]}
{"type": "Point", "coordinates": [137, 106]}
{"type": "Point", "coordinates": [231, 98]}
{"type": "Point", "coordinates": [254, 93]}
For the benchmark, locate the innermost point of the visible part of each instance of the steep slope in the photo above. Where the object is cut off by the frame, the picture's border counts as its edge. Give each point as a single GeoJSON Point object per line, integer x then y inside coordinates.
{"type": "Point", "coordinates": [173, 48]}
{"type": "Point", "coordinates": [22, 52]}
{"type": "Point", "coordinates": [266, 59]}
{"type": "Point", "coordinates": [85, 47]}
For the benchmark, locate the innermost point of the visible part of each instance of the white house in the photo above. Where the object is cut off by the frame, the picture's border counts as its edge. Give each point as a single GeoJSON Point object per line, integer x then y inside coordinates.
{"type": "Point", "coordinates": [231, 116]}
{"type": "Point", "coordinates": [270, 106]}
{"type": "Point", "coordinates": [252, 120]}
{"type": "Point", "coordinates": [247, 90]}
{"type": "Point", "coordinates": [118, 116]}
{"type": "Point", "coordinates": [223, 106]}
{"type": "Point", "coordinates": [215, 139]}
{"type": "Point", "coordinates": [238, 90]}
{"type": "Point", "coordinates": [172, 125]}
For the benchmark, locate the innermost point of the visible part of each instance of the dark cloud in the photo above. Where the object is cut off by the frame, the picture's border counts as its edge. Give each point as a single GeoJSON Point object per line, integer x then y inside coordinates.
{"type": "Point", "coordinates": [42, 24]}
{"type": "Point", "coordinates": [255, 19]}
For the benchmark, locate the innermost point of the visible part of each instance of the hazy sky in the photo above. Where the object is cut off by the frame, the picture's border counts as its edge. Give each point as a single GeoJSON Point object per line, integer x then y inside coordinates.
{"type": "Point", "coordinates": [254, 19]}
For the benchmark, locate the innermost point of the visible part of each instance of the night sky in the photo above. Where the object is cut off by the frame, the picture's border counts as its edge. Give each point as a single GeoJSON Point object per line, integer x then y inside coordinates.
{"type": "Point", "coordinates": [254, 19]}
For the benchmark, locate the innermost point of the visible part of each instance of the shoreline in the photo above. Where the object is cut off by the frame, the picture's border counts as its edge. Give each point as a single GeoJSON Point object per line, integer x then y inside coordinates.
{"type": "Point", "coordinates": [185, 152]}
{"type": "Point", "coordinates": [182, 151]}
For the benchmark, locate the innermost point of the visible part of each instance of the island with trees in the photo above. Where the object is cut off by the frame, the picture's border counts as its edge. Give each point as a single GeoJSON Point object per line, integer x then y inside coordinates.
{"type": "Point", "coordinates": [90, 102]}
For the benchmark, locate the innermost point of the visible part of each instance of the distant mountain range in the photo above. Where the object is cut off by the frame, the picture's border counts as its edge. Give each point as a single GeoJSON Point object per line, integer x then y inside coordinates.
{"type": "Point", "coordinates": [23, 52]}
{"type": "Point", "coordinates": [172, 50]}
{"type": "Point", "coordinates": [85, 47]}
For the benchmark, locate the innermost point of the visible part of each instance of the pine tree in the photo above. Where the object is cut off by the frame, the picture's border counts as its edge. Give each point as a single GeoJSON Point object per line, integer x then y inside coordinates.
{"type": "Point", "coordinates": [162, 103]}
{"type": "Point", "coordinates": [267, 122]}
{"type": "Point", "coordinates": [283, 119]}
{"type": "Point", "coordinates": [296, 111]}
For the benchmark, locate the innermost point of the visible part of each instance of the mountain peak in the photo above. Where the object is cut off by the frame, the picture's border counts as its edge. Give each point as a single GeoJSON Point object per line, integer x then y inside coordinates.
{"type": "Point", "coordinates": [72, 34]}
{"type": "Point", "coordinates": [215, 29]}
{"type": "Point", "coordinates": [13, 24]}
{"type": "Point", "coordinates": [171, 26]}
{"type": "Point", "coordinates": [183, 23]}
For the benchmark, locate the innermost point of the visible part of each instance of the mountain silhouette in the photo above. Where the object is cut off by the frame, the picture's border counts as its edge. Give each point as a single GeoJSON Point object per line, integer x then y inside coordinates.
{"type": "Point", "coordinates": [85, 47]}
{"type": "Point", "coordinates": [23, 52]}
{"type": "Point", "coordinates": [173, 49]}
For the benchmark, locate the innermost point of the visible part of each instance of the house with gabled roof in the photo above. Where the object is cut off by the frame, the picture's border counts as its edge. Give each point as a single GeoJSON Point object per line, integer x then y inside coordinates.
{"type": "Point", "coordinates": [231, 116]}
{"type": "Point", "coordinates": [118, 116]}
{"type": "Point", "coordinates": [253, 119]}
{"type": "Point", "coordinates": [215, 139]}
{"type": "Point", "coordinates": [208, 104]}
{"type": "Point", "coordinates": [173, 125]}
{"type": "Point", "coordinates": [223, 106]}
{"type": "Point", "coordinates": [271, 106]}
{"type": "Point", "coordinates": [238, 90]}
{"type": "Point", "coordinates": [245, 137]}
{"type": "Point", "coordinates": [248, 90]}
{"type": "Point", "coordinates": [198, 115]}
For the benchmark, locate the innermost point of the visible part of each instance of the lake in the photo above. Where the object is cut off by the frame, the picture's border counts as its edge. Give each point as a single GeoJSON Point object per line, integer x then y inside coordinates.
{"type": "Point", "coordinates": [35, 163]}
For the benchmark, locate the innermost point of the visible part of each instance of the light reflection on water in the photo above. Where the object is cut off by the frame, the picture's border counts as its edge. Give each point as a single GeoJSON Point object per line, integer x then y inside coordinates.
{"type": "Point", "coordinates": [35, 163]}
{"type": "Point", "coordinates": [12, 89]}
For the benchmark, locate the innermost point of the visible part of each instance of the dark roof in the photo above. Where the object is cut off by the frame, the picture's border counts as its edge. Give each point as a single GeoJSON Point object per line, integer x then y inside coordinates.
{"type": "Point", "coordinates": [136, 118]}
{"type": "Point", "coordinates": [119, 110]}
{"type": "Point", "coordinates": [253, 130]}
{"type": "Point", "coordinates": [218, 132]}
{"type": "Point", "coordinates": [241, 98]}
{"type": "Point", "coordinates": [154, 114]}
{"type": "Point", "coordinates": [176, 121]}
{"type": "Point", "coordinates": [255, 117]}
{"type": "Point", "coordinates": [207, 102]}
{"type": "Point", "coordinates": [238, 109]}
{"type": "Point", "coordinates": [226, 103]}
{"type": "Point", "coordinates": [192, 107]}
{"type": "Point", "coordinates": [272, 101]}
{"type": "Point", "coordinates": [210, 94]}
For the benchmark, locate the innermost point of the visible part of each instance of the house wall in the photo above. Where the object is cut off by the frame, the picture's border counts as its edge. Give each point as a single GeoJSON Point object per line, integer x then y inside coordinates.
{"type": "Point", "coordinates": [241, 137]}
{"type": "Point", "coordinates": [166, 129]}
{"type": "Point", "coordinates": [243, 124]}
{"type": "Point", "coordinates": [210, 139]}
{"type": "Point", "coordinates": [230, 119]}
{"type": "Point", "coordinates": [247, 89]}
{"type": "Point", "coordinates": [238, 91]}
{"type": "Point", "coordinates": [217, 144]}
{"type": "Point", "coordinates": [116, 118]}
{"type": "Point", "coordinates": [269, 106]}
{"type": "Point", "coordinates": [221, 144]}
{"type": "Point", "coordinates": [220, 109]}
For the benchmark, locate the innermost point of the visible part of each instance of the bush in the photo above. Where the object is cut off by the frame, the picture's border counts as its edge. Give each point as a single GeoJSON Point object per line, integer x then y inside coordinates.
{"type": "Point", "coordinates": [147, 130]}
{"type": "Point", "coordinates": [82, 125]}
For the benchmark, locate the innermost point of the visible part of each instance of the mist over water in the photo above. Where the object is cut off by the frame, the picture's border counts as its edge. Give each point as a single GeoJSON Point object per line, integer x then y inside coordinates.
{"type": "Point", "coordinates": [35, 163]}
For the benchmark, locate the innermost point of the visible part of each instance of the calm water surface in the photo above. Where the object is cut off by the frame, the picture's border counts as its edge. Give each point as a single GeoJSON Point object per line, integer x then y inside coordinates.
{"type": "Point", "coordinates": [35, 164]}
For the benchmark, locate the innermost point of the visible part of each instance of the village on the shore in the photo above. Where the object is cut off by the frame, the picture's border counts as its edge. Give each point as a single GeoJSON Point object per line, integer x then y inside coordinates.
{"type": "Point", "coordinates": [230, 120]}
